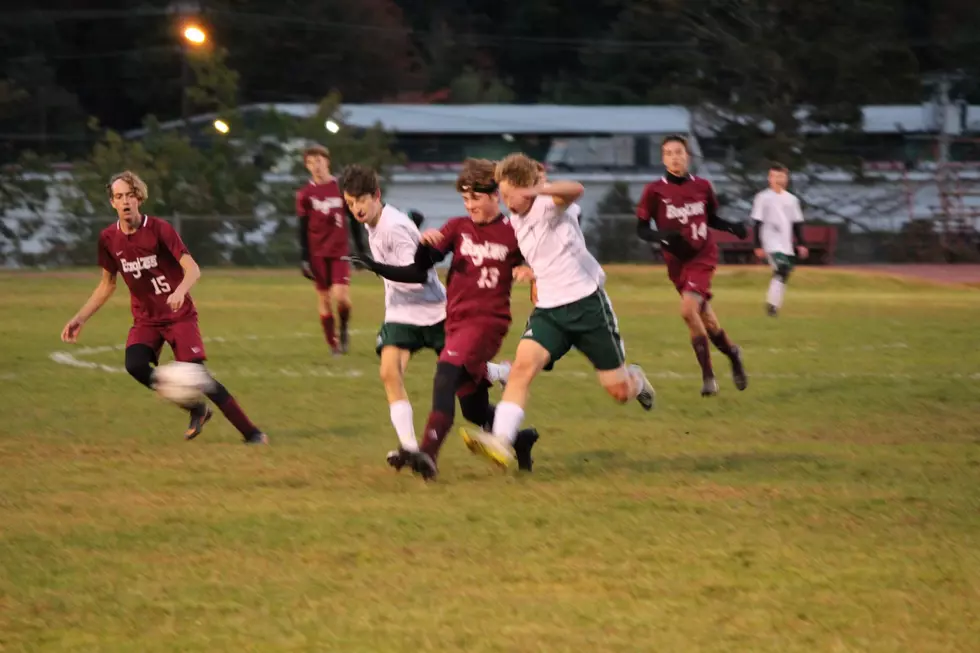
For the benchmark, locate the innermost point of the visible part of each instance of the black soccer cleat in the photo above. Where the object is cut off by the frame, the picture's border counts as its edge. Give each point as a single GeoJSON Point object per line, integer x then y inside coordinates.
{"type": "Point", "coordinates": [423, 465]}
{"type": "Point", "coordinates": [710, 387]}
{"type": "Point", "coordinates": [739, 375]}
{"type": "Point", "coordinates": [771, 310]}
{"type": "Point", "coordinates": [396, 459]}
{"type": "Point", "coordinates": [522, 448]}
{"type": "Point", "coordinates": [256, 438]}
{"type": "Point", "coordinates": [200, 415]}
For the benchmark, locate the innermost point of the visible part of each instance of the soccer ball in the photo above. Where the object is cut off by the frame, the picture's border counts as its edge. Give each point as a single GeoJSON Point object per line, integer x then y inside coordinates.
{"type": "Point", "coordinates": [182, 383]}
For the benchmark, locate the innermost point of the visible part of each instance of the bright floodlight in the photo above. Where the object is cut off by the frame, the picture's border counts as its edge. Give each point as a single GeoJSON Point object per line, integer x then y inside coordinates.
{"type": "Point", "coordinates": [195, 34]}
{"type": "Point", "coordinates": [332, 127]}
{"type": "Point", "coordinates": [221, 126]}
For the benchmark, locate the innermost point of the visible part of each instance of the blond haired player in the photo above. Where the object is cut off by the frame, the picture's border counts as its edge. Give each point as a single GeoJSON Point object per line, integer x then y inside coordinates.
{"type": "Point", "coordinates": [571, 310]}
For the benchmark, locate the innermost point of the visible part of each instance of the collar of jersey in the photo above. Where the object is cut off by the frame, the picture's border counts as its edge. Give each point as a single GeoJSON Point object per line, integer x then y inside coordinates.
{"type": "Point", "coordinates": [119, 225]}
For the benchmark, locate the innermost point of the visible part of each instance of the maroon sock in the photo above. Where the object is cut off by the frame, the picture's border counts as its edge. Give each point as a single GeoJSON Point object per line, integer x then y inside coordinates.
{"type": "Point", "coordinates": [230, 408]}
{"type": "Point", "coordinates": [701, 350]}
{"type": "Point", "coordinates": [327, 322]}
{"type": "Point", "coordinates": [344, 313]}
{"type": "Point", "coordinates": [720, 340]}
{"type": "Point", "coordinates": [435, 432]}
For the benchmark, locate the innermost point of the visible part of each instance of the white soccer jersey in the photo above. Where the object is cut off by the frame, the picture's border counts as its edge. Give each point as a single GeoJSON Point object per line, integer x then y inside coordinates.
{"type": "Point", "coordinates": [393, 241]}
{"type": "Point", "coordinates": [552, 243]}
{"type": "Point", "coordinates": [776, 214]}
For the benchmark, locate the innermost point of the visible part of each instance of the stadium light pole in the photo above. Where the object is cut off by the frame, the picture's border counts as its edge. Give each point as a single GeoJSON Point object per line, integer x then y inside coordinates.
{"type": "Point", "coordinates": [193, 36]}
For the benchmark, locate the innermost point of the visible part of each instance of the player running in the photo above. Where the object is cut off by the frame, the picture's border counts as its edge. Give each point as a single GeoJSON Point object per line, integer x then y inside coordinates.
{"type": "Point", "coordinates": [572, 309]}
{"type": "Point", "coordinates": [159, 272]}
{"type": "Point", "coordinates": [779, 219]}
{"type": "Point", "coordinates": [678, 211]}
{"type": "Point", "coordinates": [323, 220]}
{"type": "Point", "coordinates": [485, 254]}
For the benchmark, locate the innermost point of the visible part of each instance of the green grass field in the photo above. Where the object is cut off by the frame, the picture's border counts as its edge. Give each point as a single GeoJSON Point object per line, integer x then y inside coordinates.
{"type": "Point", "coordinates": [834, 506]}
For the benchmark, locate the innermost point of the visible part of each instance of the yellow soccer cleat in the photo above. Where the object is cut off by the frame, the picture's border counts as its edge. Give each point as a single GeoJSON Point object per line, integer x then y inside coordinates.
{"type": "Point", "coordinates": [500, 453]}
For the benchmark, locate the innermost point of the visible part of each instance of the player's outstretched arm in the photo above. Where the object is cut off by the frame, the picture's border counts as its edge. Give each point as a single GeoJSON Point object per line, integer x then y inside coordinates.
{"type": "Point", "coordinates": [101, 294]}
{"type": "Point", "coordinates": [425, 258]}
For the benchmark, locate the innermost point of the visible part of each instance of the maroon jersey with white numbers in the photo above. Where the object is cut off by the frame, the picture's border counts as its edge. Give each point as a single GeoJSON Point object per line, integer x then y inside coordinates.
{"type": "Point", "coordinates": [149, 261]}
{"type": "Point", "coordinates": [482, 272]}
{"type": "Point", "coordinates": [683, 207]}
{"type": "Point", "coordinates": [323, 205]}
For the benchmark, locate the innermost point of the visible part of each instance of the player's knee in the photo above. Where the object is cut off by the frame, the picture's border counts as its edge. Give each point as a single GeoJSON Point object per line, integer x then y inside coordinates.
{"type": "Point", "coordinates": [690, 312]}
{"type": "Point", "coordinates": [444, 387]}
{"type": "Point", "coordinates": [139, 361]}
{"type": "Point", "coordinates": [390, 375]}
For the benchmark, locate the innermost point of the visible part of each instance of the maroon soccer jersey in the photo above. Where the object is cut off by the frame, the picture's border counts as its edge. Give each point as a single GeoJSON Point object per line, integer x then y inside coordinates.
{"type": "Point", "coordinates": [149, 261]}
{"type": "Point", "coordinates": [482, 272]}
{"type": "Point", "coordinates": [683, 207]}
{"type": "Point", "coordinates": [323, 205]}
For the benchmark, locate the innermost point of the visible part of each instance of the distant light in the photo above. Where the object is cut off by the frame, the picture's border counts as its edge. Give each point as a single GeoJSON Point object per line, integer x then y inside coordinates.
{"type": "Point", "coordinates": [195, 34]}
{"type": "Point", "coordinates": [332, 127]}
{"type": "Point", "coordinates": [509, 138]}
{"type": "Point", "coordinates": [221, 126]}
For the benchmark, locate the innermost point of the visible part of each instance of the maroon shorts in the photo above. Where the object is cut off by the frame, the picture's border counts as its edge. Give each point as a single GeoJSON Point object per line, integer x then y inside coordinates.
{"type": "Point", "coordinates": [184, 338]}
{"type": "Point", "coordinates": [329, 272]}
{"type": "Point", "coordinates": [471, 345]}
{"type": "Point", "coordinates": [693, 275]}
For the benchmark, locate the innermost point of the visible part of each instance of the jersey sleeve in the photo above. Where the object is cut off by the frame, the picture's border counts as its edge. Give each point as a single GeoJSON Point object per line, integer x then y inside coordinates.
{"type": "Point", "coordinates": [301, 210]}
{"type": "Point", "coordinates": [757, 212]}
{"type": "Point", "coordinates": [797, 210]}
{"type": "Point", "coordinates": [171, 240]}
{"type": "Point", "coordinates": [647, 206]}
{"type": "Point", "coordinates": [106, 260]}
{"type": "Point", "coordinates": [450, 232]}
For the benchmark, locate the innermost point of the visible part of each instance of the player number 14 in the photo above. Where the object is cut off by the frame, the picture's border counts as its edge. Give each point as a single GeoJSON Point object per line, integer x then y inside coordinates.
{"type": "Point", "coordinates": [488, 278]}
{"type": "Point", "coordinates": [160, 285]}
{"type": "Point", "coordinates": [699, 231]}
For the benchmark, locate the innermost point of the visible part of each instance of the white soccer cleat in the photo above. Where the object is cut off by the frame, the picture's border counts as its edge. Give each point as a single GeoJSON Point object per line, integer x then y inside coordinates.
{"type": "Point", "coordinates": [647, 396]}
{"type": "Point", "coordinates": [498, 373]}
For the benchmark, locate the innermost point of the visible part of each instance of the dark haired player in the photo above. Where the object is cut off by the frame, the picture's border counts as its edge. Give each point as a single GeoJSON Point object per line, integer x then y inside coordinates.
{"type": "Point", "coordinates": [679, 210]}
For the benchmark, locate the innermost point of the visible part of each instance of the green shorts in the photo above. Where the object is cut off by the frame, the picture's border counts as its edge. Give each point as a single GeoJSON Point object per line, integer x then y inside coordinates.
{"type": "Point", "coordinates": [411, 337]}
{"type": "Point", "coordinates": [588, 324]}
{"type": "Point", "coordinates": [783, 263]}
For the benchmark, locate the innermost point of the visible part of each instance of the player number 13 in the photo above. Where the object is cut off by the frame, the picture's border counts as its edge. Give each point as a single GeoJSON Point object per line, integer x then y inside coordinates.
{"type": "Point", "coordinates": [160, 285]}
{"type": "Point", "coordinates": [488, 278]}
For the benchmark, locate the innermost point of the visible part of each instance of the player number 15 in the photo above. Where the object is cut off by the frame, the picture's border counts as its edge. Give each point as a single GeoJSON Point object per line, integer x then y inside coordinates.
{"type": "Point", "coordinates": [160, 285]}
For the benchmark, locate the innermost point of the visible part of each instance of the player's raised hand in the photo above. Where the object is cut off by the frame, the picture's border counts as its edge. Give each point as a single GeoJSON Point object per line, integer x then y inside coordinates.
{"type": "Point", "coordinates": [802, 252]}
{"type": "Point", "coordinates": [176, 300]}
{"type": "Point", "coordinates": [431, 237]}
{"type": "Point", "coordinates": [72, 330]}
{"type": "Point", "coordinates": [307, 270]}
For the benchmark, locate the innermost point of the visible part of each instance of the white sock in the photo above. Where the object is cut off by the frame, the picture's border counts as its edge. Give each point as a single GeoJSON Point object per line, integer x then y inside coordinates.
{"type": "Point", "coordinates": [497, 372]}
{"type": "Point", "coordinates": [404, 422]}
{"type": "Point", "coordinates": [507, 420]}
{"type": "Point", "coordinates": [776, 291]}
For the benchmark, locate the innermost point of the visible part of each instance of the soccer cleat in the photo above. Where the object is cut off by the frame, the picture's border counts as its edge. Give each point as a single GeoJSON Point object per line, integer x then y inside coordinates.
{"type": "Point", "coordinates": [504, 374]}
{"type": "Point", "coordinates": [423, 465]}
{"type": "Point", "coordinates": [200, 415]}
{"type": "Point", "coordinates": [495, 449]}
{"type": "Point", "coordinates": [710, 387]}
{"type": "Point", "coordinates": [522, 448]}
{"type": "Point", "coordinates": [771, 310]}
{"type": "Point", "coordinates": [739, 376]}
{"type": "Point", "coordinates": [397, 458]}
{"type": "Point", "coordinates": [647, 395]}
{"type": "Point", "coordinates": [257, 438]}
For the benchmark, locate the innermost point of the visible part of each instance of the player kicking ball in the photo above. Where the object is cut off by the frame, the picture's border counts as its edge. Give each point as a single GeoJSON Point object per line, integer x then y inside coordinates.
{"type": "Point", "coordinates": [779, 219]}
{"type": "Point", "coordinates": [678, 211]}
{"type": "Point", "coordinates": [485, 254]}
{"type": "Point", "coordinates": [572, 309]}
{"type": "Point", "coordinates": [159, 272]}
